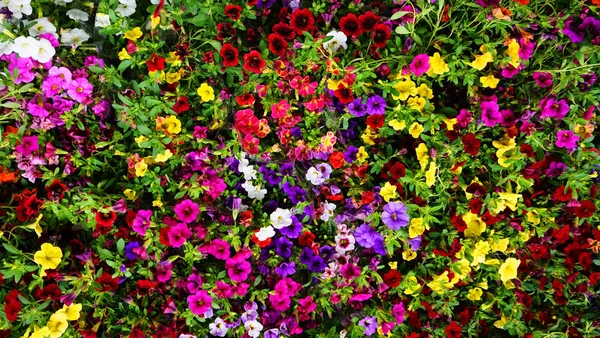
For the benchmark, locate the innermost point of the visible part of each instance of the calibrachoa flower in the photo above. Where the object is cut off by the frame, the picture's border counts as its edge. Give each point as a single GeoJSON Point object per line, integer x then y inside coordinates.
{"type": "Point", "coordinates": [187, 211]}
{"type": "Point", "coordinates": [395, 215]}
{"type": "Point", "coordinates": [200, 302]}
{"type": "Point", "coordinates": [142, 221]}
{"type": "Point", "coordinates": [566, 139]}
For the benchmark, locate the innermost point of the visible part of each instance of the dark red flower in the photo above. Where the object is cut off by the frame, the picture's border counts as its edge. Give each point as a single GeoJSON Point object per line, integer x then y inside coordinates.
{"type": "Point", "coordinates": [225, 31]}
{"type": "Point", "coordinates": [392, 278]}
{"type": "Point", "coordinates": [344, 94]}
{"type": "Point", "coordinates": [56, 190]}
{"type": "Point", "coordinates": [585, 210]}
{"type": "Point", "coordinates": [302, 20]}
{"type": "Point", "coordinates": [277, 44]}
{"type": "Point", "coordinates": [381, 33]}
{"type": "Point", "coordinates": [527, 150]}
{"type": "Point", "coordinates": [182, 105]}
{"type": "Point", "coordinates": [253, 62]}
{"type": "Point", "coordinates": [453, 330]}
{"type": "Point", "coordinates": [459, 223]}
{"type": "Point", "coordinates": [476, 189]}
{"type": "Point", "coordinates": [155, 63]}
{"type": "Point", "coordinates": [350, 25]}
{"type": "Point", "coordinates": [475, 205]}
{"type": "Point", "coordinates": [104, 221]}
{"type": "Point", "coordinates": [375, 121]}
{"type": "Point", "coordinates": [50, 291]}
{"type": "Point", "coordinates": [233, 11]}
{"type": "Point", "coordinates": [230, 55]}
{"type": "Point", "coordinates": [398, 170]}
{"type": "Point", "coordinates": [307, 238]}
{"type": "Point", "coordinates": [368, 21]}
{"type": "Point", "coordinates": [107, 282]}
{"type": "Point", "coordinates": [208, 57]}
{"type": "Point", "coordinates": [471, 144]}
{"type": "Point", "coordinates": [562, 196]}
{"type": "Point", "coordinates": [11, 309]}
{"type": "Point", "coordinates": [284, 30]}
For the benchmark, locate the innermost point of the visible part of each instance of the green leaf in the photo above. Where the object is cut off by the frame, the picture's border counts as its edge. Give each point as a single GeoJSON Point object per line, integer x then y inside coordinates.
{"type": "Point", "coordinates": [124, 65]}
{"type": "Point", "coordinates": [402, 30]}
{"type": "Point", "coordinates": [398, 15]}
{"type": "Point", "coordinates": [143, 129]}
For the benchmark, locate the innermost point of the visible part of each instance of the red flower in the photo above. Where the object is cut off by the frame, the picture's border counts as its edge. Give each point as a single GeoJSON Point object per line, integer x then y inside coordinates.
{"type": "Point", "coordinates": [28, 208]}
{"type": "Point", "coordinates": [253, 62]}
{"type": "Point", "coordinates": [225, 31]}
{"type": "Point", "coordinates": [527, 150]}
{"type": "Point", "coordinates": [229, 55]}
{"type": "Point", "coordinates": [471, 144]}
{"type": "Point", "coordinates": [56, 190]}
{"type": "Point", "coordinates": [107, 283]}
{"type": "Point", "coordinates": [392, 278]}
{"type": "Point", "coordinates": [182, 105]}
{"type": "Point", "coordinates": [233, 11]}
{"type": "Point", "coordinates": [277, 44]}
{"type": "Point", "coordinates": [156, 63]}
{"type": "Point", "coordinates": [560, 195]}
{"type": "Point", "coordinates": [445, 15]}
{"type": "Point", "coordinates": [302, 20]}
{"type": "Point", "coordinates": [398, 170]}
{"type": "Point", "coordinates": [284, 30]}
{"type": "Point", "coordinates": [453, 330]}
{"type": "Point", "coordinates": [381, 33]}
{"type": "Point", "coordinates": [525, 2]}
{"type": "Point", "coordinates": [50, 291]}
{"type": "Point", "coordinates": [104, 222]}
{"type": "Point", "coordinates": [459, 223]}
{"type": "Point", "coordinates": [12, 309]}
{"type": "Point", "coordinates": [350, 25]}
{"type": "Point", "coordinates": [246, 122]}
{"type": "Point", "coordinates": [261, 244]}
{"type": "Point", "coordinates": [306, 239]}
{"type": "Point", "coordinates": [475, 205]}
{"type": "Point", "coordinates": [375, 121]}
{"type": "Point", "coordinates": [344, 94]}
{"type": "Point", "coordinates": [337, 159]}
{"type": "Point", "coordinates": [585, 210]}
{"type": "Point", "coordinates": [368, 21]}
{"type": "Point", "coordinates": [245, 99]}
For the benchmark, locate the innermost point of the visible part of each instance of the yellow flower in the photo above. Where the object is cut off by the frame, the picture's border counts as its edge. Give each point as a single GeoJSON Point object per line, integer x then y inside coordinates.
{"type": "Point", "coordinates": [475, 226]}
{"type": "Point", "coordinates": [72, 311]}
{"type": "Point", "coordinates": [388, 192]}
{"type": "Point", "coordinates": [482, 60]}
{"type": "Point", "coordinates": [508, 269]}
{"type": "Point", "coordinates": [157, 203]}
{"type": "Point", "coordinates": [482, 248]}
{"type": "Point", "coordinates": [155, 21]}
{"type": "Point", "coordinates": [362, 155]}
{"type": "Point", "coordinates": [369, 136]}
{"type": "Point", "coordinates": [129, 194]}
{"type": "Point", "coordinates": [513, 52]}
{"type": "Point", "coordinates": [57, 324]}
{"type": "Point", "coordinates": [437, 66]}
{"type": "Point", "coordinates": [416, 227]}
{"type": "Point", "coordinates": [40, 332]}
{"type": "Point", "coordinates": [430, 175]}
{"type": "Point", "coordinates": [206, 92]}
{"type": "Point", "coordinates": [463, 267]}
{"type": "Point", "coordinates": [415, 129]}
{"type": "Point", "coordinates": [397, 125]}
{"type": "Point", "coordinates": [164, 157]}
{"type": "Point", "coordinates": [173, 59]}
{"type": "Point", "coordinates": [405, 89]}
{"type": "Point", "coordinates": [170, 124]}
{"type": "Point", "coordinates": [412, 285]}
{"type": "Point", "coordinates": [422, 155]}
{"type": "Point", "coordinates": [425, 91]}
{"type": "Point", "coordinates": [133, 34]}
{"type": "Point", "coordinates": [510, 199]}
{"type": "Point", "coordinates": [123, 55]}
{"type": "Point", "coordinates": [173, 77]}
{"type": "Point", "coordinates": [533, 217]}
{"type": "Point", "coordinates": [141, 139]}
{"type": "Point", "coordinates": [483, 284]}
{"type": "Point", "coordinates": [505, 143]}
{"type": "Point", "coordinates": [489, 81]}
{"type": "Point", "coordinates": [475, 294]}
{"type": "Point", "coordinates": [393, 265]}
{"type": "Point", "coordinates": [141, 168]}
{"type": "Point", "coordinates": [500, 244]}
{"type": "Point", "coordinates": [416, 103]}
{"type": "Point", "coordinates": [333, 84]}
{"type": "Point", "coordinates": [501, 322]}
{"type": "Point", "coordinates": [36, 226]}
{"type": "Point", "coordinates": [450, 123]}
{"type": "Point", "coordinates": [441, 283]}
{"type": "Point", "coordinates": [409, 255]}
{"type": "Point", "coordinates": [48, 257]}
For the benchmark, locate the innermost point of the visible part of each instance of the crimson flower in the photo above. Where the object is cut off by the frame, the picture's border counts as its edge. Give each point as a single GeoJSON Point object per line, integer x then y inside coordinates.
{"type": "Point", "coordinates": [229, 55]}
{"type": "Point", "coordinates": [233, 11]}
{"type": "Point", "coordinates": [284, 30]}
{"type": "Point", "coordinates": [344, 94]}
{"type": "Point", "coordinates": [302, 20]}
{"type": "Point", "coordinates": [156, 63]}
{"type": "Point", "coordinates": [453, 330]}
{"type": "Point", "coordinates": [392, 278]}
{"type": "Point", "coordinates": [471, 144]}
{"type": "Point", "coordinates": [350, 25]}
{"type": "Point", "coordinates": [245, 99]}
{"type": "Point", "coordinates": [56, 190]}
{"type": "Point", "coordinates": [254, 62]}
{"type": "Point", "coordinates": [368, 21]}
{"type": "Point", "coordinates": [381, 33]}
{"type": "Point", "coordinates": [375, 121]}
{"type": "Point", "coordinates": [277, 44]}
{"type": "Point", "coordinates": [105, 221]}
{"type": "Point", "coordinates": [182, 105]}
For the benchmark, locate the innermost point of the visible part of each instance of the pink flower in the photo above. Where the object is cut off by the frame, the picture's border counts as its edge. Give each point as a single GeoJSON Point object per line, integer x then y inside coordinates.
{"type": "Point", "coordinates": [238, 269]}
{"type": "Point", "coordinates": [566, 139]}
{"type": "Point", "coordinates": [52, 85]}
{"type": "Point", "coordinates": [29, 144]}
{"type": "Point", "coordinates": [279, 110]}
{"type": "Point", "coordinates": [141, 223]}
{"type": "Point", "coordinates": [79, 89]}
{"type": "Point", "coordinates": [398, 312]}
{"type": "Point", "coordinates": [220, 249]}
{"type": "Point", "coordinates": [163, 272]}
{"type": "Point", "coordinates": [280, 302]}
{"type": "Point", "coordinates": [420, 64]}
{"type": "Point", "coordinates": [200, 302]}
{"type": "Point", "coordinates": [187, 211]}
{"type": "Point", "coordinates": [178, 235]}
{"type": "Point", "coordinates": [490, 114]}
{"type": "Point", "coordinates": [222, 290]}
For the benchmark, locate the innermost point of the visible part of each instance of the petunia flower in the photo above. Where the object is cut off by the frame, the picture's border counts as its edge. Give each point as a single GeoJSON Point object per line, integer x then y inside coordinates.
{"type": "Point", "coordinates": [395, 215]}
{"type": "Point", "coordinates": [420, 64]}
{"type": "Point", "coordinates": [508, 269]}
{"type": "Point", "coordinates": [187, 211]}
{"type": "Point", "coordinates": [200, 302]}
{"type": "Point", "coordinates": [49, 257]}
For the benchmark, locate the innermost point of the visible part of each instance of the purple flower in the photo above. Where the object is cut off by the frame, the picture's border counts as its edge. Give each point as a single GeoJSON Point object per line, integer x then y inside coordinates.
{"type": "Point", "coordinates": [369, 323]}
{"type": "Point", "coordinates": [350, 271]}
{"type": "Point", "coordinates": [556, 169]}
{"type": "Point", "coordinates": [566, 139]}
{"type": "Point", "coordinates": [420, 64]}
{"type": "Point", "coordinates": [80, 89]}
{"type": "Point", "coordinates": [129, 250]}
{"type": "Point", "coordinates": [200, 303]}
{"type": "Point", "coordinates": [376, 105]}
{"type": "Point", "coordinates": [293, 230]}
{"type": "Point", "coordinates": [284, 247]}
{"type": "Point", "coordinates": [395, 215]}
{"type": "Point", "coordinates": [178, 235]}
{"type": "Point", "coordinates": [187, 211]}
{"type": "Point", "coordinates": [286, 269]}
{"type": "Point", "coordinates": [415, 243]}
{"type": "Point", "coordinates": [194, 282]}
{"type": "Point", "coordinates": [543, 79]}
{"type": "Point", "coordinates": [365, 236]}
{"type": "Point", "coordinates": [141, 223]}
{"type": "Point", "coordinates": [357, 108]}
{"type": "Point", "coordinates": [218, 328]}
{"type": "Point", "coordinates": [398, 312]}
{"type": "Point", "coordinates": [573, 31]}
{"type": "Point", "coordinates": [295, 193]}
{"type": "Point", "coordinates": [29, 144]}
{"type": "Point", "coordinates": [553, 108]}
{"type": "Point", "coordinates": [350, 154]}
{"type": "Point", "coordinates": [490, 114]}
{"type": "Point", "coordinates": [487, 3]}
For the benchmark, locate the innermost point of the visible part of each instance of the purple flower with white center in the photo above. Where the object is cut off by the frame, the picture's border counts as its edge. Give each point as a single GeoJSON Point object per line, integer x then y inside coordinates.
{"type": "Point", "coordinates": [179, 234]}
{"type": "Point", "coordinates": [187, 211]}
{"type": "Point", "coordinates": [490, 113]}
{"type": "Point", "coordinates": [369, 323]}
{"type": "Point", "coordinates": [272, 333]}
{"type": "Point", "coordinates": [29, 145]}
{"type": "Point", "coordinates": [141, 223]}
{"type": "Point", "coordinates": [553, 108]}
{"type": "Point", "coordinates": [395, 215]}
{"type": "Point", "coordinates": [376, 105]}
{"type": "Point", "coordinates": [253, 328]}
{"type": "Point", "coordinates": [357, 108]}
{"type": "Point", "coordinates": [543, 79]}
{"type": "Point", "coordinates": [286, 269]}
{"type": "Point", "coordinates": [556, 169]}
{"type": "Point", "coordinates": [566, 139]}
{"type": "Point", "coordinates": [218, 328]}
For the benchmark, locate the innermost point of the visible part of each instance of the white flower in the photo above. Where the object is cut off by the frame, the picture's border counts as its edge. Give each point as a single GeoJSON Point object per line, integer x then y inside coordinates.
{"type": "Point", "coordinates": [44, 51]}
{"type": "Point", "coordinates": [339, 40]}
{"type": "Point", "coordinates": [344, 243]}
{"type": "Point", "coordinates": [253, 327]}
{"type": "Point", "coordinates": [25, 46]}
{"type": "Point", "coordinates": [5, 48]}
{"type": "Point", "coordinates": [18, 8]}
{"type": "Point", "coordinates": [186, 336]}
{"type": "Point", "coordinates": [62, 2]}
{"type": "Point", "coordinates": [77, 14]}
{"type": "Point", "coordinates": [41, 26]}
{"type": "Point", "coordinates": [75, 36]}
{"type": "Point", "coordinates": [249, 173]}
{"type": "Point", "coordinates": [328, 209]}
{"type": "Point", "coordinates": [126, 7]}
{"type": "Point", "coordinates": [281, 218]}
{"type": "Point", "coordinates": [315, 176]}
{"type": "Point", "coordinates": [102, 20]}
{"type": "Point", "coordinates": [265, 233]}
{"type": "Point", "coordinates": [254, 192]}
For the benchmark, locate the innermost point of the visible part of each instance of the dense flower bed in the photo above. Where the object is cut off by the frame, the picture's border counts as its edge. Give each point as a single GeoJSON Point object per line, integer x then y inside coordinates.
{"type": "Point", "coordinates": [184, 168]}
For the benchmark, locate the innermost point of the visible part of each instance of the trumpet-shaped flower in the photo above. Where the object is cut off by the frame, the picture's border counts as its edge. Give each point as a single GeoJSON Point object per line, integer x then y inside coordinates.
{"type": "Point", "coordinates": [49, 257]}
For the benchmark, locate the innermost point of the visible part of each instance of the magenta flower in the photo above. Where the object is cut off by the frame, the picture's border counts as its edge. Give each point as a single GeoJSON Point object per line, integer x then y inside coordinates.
{"type": "Point", "coordinates": [219, 248]}
{"type": "Point", "coordinates": [350, 271]}
{"type": "Point", "coordinates": [238, 269]}
{"type": "Point", "coordinates": [163, 271]}
{"type": "Point", "coordinates": [398, 312]}
{"type": "Point", "coordinates": [490, 114]}
{"type": "Point", "coordinates": [553, 108]}
{"type": "Point", "coordinates": [194, 282]}
{"type": "Point", "coordinates": [178, 235]}
{"type": "Point", "coordinates": [187, 211]}
{"type": "Point", "coordinates": [566, 139]}
{"type": "Point", "coordinates": [29, 144]}
{"type": "Point", "coordinates": [200, 302]}
{"type": "Point", "coordinates": [141, 223]}
{"type": "Point", "coordinates": [52, 85]}
{"type": "Point", "coordinates": [80, 89]}
{"type": "Point", "coordinates": [280, 302]}
{"type": "Point", "coordinates": [543, 79]}
{"type": "Point", "coordinates": [420, 64]}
